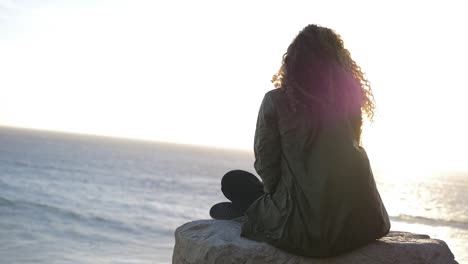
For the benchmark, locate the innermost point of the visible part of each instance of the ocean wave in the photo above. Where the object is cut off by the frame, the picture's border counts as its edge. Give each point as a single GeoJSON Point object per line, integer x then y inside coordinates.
{"type": "Point", "coordinates": [97, 221]}
{"type": "Point", "coordinates": [5, 202]}
{"type": "Point", "coordinates": [430, 221]}
{"type": "Point", "coordinates": [46, 167]}
{"type": "Point", "coordinates": [64, 213]}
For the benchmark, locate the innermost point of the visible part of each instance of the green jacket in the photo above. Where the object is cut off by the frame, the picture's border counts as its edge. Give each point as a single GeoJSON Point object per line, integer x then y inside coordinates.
{"type": "Point", "coordinates": [320, 195]}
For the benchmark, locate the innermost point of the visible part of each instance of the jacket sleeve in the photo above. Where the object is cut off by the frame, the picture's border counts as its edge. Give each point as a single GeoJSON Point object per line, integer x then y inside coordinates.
{"type": "Point", "coordinates": [267, 145]}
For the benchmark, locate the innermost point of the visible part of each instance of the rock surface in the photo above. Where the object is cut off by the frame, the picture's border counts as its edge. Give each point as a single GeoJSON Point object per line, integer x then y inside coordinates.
{"type": "Point", "coordinates": [218, 241]}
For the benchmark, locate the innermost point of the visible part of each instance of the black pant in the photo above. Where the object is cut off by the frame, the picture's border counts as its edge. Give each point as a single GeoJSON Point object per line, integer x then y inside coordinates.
{"type": "Point", "coordinates": [242, 188]}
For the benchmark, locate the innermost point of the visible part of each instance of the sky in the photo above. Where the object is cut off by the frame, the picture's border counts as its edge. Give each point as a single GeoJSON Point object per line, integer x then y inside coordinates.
{"type": "Point", "coordinates": [195, 72]}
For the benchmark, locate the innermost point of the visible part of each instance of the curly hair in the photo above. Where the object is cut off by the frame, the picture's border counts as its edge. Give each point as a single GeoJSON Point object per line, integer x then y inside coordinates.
{"type": "Point", "coordinates": [317, 68]}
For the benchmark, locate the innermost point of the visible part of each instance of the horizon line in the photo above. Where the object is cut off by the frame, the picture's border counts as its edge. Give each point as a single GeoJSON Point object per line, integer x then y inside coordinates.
{"type": "Point", "coordinates": [129, 138]}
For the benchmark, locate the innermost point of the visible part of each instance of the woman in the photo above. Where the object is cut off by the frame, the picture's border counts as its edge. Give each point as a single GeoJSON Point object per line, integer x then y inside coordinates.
{"type": "Point", "coordinates": [317, 197]}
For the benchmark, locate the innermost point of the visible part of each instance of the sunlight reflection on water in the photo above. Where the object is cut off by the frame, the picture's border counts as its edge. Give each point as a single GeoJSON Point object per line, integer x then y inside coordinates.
{"type": "Point", "coordinates": [433, 204]}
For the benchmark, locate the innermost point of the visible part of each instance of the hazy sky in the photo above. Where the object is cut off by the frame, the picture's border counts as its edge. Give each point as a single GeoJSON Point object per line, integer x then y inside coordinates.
{"type": "Point", "coordinates": [195, 71]}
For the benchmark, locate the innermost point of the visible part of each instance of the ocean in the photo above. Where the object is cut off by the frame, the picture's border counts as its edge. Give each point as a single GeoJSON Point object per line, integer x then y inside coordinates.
{"type": "Point", "coordinates": [68, 198]}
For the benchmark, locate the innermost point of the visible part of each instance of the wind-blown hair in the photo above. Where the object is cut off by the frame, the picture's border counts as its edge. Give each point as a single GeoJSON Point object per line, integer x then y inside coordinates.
{"type": "Point", "coordinates": [318, 69]}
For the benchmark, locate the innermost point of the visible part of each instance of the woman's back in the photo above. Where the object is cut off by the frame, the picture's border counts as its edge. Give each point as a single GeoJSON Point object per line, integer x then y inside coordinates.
{"type": "Point", "coordinates": [321, 196]}
{"type": "Point", "coordinates": [317, 196]}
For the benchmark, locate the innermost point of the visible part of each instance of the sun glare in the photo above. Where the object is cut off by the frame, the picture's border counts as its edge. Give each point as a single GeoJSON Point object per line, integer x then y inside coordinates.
{"type": "Point", "coordinates": [153, 71]}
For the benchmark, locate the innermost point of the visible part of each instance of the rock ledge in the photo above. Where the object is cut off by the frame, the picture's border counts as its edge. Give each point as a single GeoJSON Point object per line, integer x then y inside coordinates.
{"type": "Point", "coordinates": [217, 241]}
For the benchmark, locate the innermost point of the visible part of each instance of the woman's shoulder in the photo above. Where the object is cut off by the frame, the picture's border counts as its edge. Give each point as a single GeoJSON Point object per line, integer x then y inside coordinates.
{"type": "Point", "coordinates": [277, 101]}
{"type": "Point", "coordinates": [276, 95]}
{"type": "Point", "coordinates": [275, 92]}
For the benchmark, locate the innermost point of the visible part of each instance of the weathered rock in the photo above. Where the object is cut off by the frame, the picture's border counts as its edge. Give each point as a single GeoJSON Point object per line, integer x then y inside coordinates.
{"type": "Point", "coordinates": [217, 241]}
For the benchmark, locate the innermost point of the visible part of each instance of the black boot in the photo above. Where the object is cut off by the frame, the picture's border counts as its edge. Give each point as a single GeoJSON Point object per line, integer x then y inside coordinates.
{"type": "Point", "coordinates": [225, 211]}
